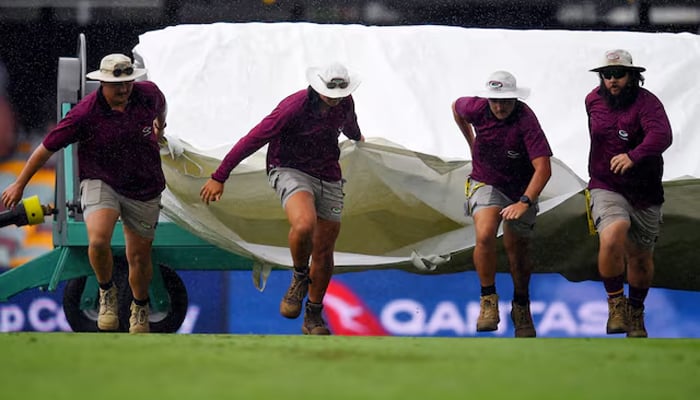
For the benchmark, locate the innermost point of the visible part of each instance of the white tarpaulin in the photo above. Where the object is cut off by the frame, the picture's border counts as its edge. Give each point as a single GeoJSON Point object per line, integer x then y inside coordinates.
{"type": "Point", "coordinates": [404, 203]}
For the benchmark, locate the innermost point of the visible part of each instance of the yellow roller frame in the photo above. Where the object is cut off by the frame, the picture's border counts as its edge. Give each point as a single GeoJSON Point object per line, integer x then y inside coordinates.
{"type": "Point", "coordinates": [33, 209]}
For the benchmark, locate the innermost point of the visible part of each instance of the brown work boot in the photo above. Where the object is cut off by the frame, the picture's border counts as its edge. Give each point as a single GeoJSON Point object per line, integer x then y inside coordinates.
{"type": "Point", "coordinates": [617, 315]}
{"type": "Point", "coordinates": [138, 321]}
{"type": "Point", "coordinates": [108, 315]}
{"type": "Point", "coordinates": [313, 320]}
{"type": "Point", "coordinates": [635, 322]}
{"type": "Point", "coordinates": [522, 320]}
{"type": "Point", "coordinates": [290, 307]}
{"type": "Point", "coordinates": [488, 315]}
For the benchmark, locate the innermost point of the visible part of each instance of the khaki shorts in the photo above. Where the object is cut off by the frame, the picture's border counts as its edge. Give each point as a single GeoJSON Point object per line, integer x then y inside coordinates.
{"type": "Point", "coordinates": [608, 207]}
{"type": "Point", "coordinates": [140, 216]}
{"type": "Point", "coordinates": [328, 196]}
{"type": "Point", "coordinates": [480, 195]}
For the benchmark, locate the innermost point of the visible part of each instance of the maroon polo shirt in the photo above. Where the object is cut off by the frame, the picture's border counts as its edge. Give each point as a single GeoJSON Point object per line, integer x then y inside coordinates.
{"type": "Point", "coordinates": [643, 131]}
{"type": "Point", "coordinates": [503, 150]}
{"type": "Point", "coordinates": [298, 136]}
{"type": "Point", "coordinates": [116, 147]}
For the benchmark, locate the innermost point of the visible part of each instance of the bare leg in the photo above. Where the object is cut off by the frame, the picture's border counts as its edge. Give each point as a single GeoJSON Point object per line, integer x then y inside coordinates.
{"type": "Point", "coordinates": [640, 267]}
{"type": "Point", "coordinates": [100, 227]}
{"type": "Point", "coordinates": [640, 273]}
{"type": "Point", "coordinates": [322, 259]}
{"type": "Point", "coordinates": [138, 255]}
{"type": "Point", "coordinates": [301, 214]}
{"type": "Point", "coordinates": [486, 223]}
{"type": "Point", "coordinates": [611, 266]}
{"type": "Point", "coordinates": [611, 255]}
{"type": "Point", "coordinates": [518, 251]}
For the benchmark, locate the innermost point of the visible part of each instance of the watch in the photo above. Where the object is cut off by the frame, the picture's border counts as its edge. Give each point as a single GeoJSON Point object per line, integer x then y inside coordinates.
{"type": "Point", "coordinates": [526, 200]}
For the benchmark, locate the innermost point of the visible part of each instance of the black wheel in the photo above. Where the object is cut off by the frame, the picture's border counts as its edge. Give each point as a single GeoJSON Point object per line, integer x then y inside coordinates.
{"type": "Point", "coordinates": [169, 322]}
{"type": "Point", "coordinates": [79, 320]}
{"type": "Point", "coordinates": [86, 320]}
{"type": "Point", "coordinates": [164, 322]}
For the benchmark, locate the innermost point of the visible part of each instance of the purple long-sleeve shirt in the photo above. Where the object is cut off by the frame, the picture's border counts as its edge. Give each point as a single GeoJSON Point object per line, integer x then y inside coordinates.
{"type": "Point", "coordinates": [643, 132]}
{"type": "Point", "coordinates": [116, 147]}
{"type": "Point", "coordinates": [503, 150]}
{"type": "Point", "coordinates": [299, 137]}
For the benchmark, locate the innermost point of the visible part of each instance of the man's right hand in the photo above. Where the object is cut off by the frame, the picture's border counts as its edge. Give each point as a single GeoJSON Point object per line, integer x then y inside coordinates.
{"type": "Point", "coordinates": [12, 195]}
{"type": "Point", "coordinates": [211, 191]}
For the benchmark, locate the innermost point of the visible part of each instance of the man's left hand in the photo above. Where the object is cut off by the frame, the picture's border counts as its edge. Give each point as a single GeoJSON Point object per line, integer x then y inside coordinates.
{"type": "Point", "coordinates": [621, 163]}
{"type": "Point", "coordinates": [514, 211]}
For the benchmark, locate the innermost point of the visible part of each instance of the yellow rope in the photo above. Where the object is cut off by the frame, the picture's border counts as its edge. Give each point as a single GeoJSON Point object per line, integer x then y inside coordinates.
{"type": "Point", "coordinates": [591, 225]}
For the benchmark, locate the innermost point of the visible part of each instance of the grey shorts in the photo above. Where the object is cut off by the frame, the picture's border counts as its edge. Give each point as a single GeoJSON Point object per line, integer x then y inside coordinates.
{"type": "Point", "coordinates": [328, 196]}
{"type": "Point", "coordinates": [480, 195]}
{"type": "Point", "coordinates": [140, 216]}
{"type": "Point", "coordinates": [608, 207]}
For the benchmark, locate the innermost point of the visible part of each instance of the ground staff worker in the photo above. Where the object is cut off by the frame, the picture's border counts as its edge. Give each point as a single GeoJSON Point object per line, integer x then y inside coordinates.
{"type": "Point", "coordinates": [629, 131]}
{"type": "Point", "coordinates": [304, 170]}
{"type": "Point", "coordinates": [510, 167]}
{"type": "Point", "coordinates": [118, 128]}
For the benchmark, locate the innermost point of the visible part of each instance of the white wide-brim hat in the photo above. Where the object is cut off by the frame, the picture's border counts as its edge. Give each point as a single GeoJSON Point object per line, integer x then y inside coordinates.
{"type": "Point", "coordinates": [502, 85]}
{"type": "Point", "coordinates": [116, 68]}
{"type": "Point", "coordinates": [618, 58]}
{"type": "Point", "coordinates": [328, 80]}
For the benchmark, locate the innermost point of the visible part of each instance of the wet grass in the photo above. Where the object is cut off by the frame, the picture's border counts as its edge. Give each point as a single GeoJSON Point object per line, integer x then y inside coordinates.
{"type": "Point", "coordinates": [110, 366]}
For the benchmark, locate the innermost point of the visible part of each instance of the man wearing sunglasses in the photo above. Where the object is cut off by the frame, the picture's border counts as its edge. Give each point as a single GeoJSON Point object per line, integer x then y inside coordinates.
{"type": "Point", "coordinates": [117, 128]}
{"type": "Point", "coordinates": [304, 170]}
{"type": "Point", "coordinates": [510, 167]}
{"type": "Point", "coordinates": [629, 131]}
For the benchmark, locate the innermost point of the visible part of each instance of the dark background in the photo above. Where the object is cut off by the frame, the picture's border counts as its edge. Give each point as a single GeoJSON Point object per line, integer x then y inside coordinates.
{"type": "Point", "coordinates": [35, 33]}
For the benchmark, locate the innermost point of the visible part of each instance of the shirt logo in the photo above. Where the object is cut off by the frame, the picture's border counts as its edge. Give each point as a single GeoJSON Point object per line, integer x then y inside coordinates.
{"type": "Point", "coordinates": [623, 135]}
{"type": "Point", "coordinates": [146, 131]}
{"type": "Point", "coordinates": [512, 154]}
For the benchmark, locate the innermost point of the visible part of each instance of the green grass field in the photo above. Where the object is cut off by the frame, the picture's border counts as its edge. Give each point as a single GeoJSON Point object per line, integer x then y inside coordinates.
{"type": "Point", "coordinates": [121, 366]}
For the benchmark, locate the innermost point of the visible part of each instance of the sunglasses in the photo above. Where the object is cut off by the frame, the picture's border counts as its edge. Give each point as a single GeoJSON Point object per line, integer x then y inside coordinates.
{"type": "Point", "coordinates": [613, 73]}
{"type": "Point", "coordinates": [335, 83]}
{"type": "Point", "coordinates": [117, 72]}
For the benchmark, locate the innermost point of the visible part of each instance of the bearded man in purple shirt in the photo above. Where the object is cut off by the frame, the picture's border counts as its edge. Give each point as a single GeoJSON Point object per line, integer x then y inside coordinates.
{"type": "Point", "coordinates": [117, 129]}
{"type": "Point", "coordinates": [303, 169]}
{"type": "Point", "coordinates": [629, 131]}
{"type": "Point", "coordinates": [510, 167]}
